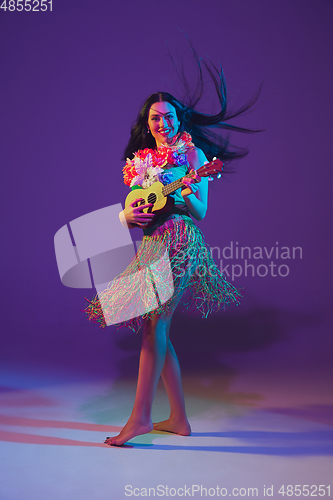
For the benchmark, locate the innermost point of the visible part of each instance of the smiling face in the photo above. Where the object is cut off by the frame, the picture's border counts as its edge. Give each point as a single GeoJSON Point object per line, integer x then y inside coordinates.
{"type": "Point", "coordinates": [163, 122]}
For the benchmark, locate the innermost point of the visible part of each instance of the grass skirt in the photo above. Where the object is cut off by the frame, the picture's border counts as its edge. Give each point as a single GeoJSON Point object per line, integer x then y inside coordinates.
{"type": "Point", "coordinates": [136, 293]}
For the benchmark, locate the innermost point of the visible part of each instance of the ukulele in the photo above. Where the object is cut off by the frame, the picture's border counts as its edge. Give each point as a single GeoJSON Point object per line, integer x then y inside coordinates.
{"type": "Point", "coordinates": [157, 193]}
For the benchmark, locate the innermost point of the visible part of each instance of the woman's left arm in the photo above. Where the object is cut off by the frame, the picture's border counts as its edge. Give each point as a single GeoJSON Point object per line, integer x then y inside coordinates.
{"type": "Point", "coordinates": [195, 193]}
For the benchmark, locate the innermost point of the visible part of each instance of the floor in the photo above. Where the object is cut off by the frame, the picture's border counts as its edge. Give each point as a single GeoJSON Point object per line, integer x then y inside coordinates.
{"type": "Point", "coordinates": [264, 434]}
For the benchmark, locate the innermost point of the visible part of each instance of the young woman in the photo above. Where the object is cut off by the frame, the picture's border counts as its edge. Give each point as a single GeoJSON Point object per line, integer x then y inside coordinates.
{"type": "Point", "coordinates": [169, 140]}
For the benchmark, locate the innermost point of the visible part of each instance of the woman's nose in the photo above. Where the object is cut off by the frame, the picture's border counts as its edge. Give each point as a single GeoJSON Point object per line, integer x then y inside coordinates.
{"type": "Point", "coordinates": [164, 123]}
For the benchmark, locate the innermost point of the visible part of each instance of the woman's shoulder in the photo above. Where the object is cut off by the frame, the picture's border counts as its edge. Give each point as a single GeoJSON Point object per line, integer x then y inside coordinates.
{"type": "Point", "coordinates": [196, 157]}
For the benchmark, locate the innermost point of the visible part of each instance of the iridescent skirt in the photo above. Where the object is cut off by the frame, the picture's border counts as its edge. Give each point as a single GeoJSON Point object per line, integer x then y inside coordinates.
{"type": "Point", "coordinates": [147, 279]}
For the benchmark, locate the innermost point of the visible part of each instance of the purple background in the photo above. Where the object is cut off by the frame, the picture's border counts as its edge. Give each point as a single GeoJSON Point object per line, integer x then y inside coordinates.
{"type": "Point", "coordinates": [72, 83]}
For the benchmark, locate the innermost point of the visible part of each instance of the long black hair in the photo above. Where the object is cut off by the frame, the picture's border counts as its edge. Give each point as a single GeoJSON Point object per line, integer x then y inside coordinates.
{"type": "Point", "coordinates": [199, 125]}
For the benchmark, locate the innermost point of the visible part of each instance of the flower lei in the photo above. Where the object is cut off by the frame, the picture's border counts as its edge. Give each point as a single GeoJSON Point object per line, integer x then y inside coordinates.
{"type": "Point", "coordinates": [147, 165]}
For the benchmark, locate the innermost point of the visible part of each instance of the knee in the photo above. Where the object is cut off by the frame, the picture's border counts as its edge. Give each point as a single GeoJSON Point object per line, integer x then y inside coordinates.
{"type": "Point", "coordinates": [157, 327]}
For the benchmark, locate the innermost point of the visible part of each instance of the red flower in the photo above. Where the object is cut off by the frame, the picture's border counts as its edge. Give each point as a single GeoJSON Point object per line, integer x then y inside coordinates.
{"type": "Point", "coordinates": [129, 173]}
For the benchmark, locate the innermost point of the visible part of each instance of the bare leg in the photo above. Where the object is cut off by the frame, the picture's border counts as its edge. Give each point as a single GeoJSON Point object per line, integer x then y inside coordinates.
{"type": "Point", "coordinates": [171, 376]}
{"type": "Point", "coordinates": [157, 358]}
{"type": "Point", "coordinates": [152, 359]}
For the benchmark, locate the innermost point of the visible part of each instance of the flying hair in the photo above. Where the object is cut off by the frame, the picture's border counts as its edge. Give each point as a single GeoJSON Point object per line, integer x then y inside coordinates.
{"type": "Point", "coordinates": [203, 127]}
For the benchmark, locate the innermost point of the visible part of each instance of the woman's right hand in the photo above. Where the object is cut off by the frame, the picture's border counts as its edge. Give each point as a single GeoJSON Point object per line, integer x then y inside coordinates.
{"type": "Point", "coordinates": [134, 214]}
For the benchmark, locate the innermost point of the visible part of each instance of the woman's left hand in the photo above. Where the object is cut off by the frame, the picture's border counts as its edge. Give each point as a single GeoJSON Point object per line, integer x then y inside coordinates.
{"type": "Point", "coordinates": [191, 183]}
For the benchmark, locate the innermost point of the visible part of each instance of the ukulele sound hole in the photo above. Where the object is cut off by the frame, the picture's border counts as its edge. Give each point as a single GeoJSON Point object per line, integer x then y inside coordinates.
{"type": "Point", "coordinates": [140, 202]}
{"type": "Point", "coordinates": [151, 198]}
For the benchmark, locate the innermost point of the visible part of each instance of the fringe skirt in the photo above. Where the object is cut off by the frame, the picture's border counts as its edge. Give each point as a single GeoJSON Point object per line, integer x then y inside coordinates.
{"type": "Point", "coordinates": [173, 259]}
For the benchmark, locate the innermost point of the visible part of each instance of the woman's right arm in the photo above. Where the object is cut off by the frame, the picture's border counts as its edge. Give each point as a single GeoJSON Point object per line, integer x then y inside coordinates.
{"type": "Point", "coordinates": [133, 216]}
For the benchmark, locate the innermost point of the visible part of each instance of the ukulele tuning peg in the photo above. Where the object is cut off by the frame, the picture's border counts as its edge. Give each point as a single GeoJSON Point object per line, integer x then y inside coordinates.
{"type": "Point", "coordinates": [214, 158]}
{"type": "Point", "coordinates": [219, 176]}
{"type": "Point", "coordinates": [210, 178]}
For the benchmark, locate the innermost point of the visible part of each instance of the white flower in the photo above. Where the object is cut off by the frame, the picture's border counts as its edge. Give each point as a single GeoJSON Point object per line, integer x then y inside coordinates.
{"type": "Point", "coordinates": [147, 173]}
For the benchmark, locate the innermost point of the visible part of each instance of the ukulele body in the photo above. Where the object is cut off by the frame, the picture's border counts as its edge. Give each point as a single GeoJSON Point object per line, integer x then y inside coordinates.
{"type": "Point", "coordinates": [152, 194]}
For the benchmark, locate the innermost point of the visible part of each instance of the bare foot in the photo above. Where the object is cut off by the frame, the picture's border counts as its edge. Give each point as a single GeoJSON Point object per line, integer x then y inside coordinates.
{"type": "Point", "coordinates": [128, 432]}
{"type": "Point", "coordinates": [181, 427]}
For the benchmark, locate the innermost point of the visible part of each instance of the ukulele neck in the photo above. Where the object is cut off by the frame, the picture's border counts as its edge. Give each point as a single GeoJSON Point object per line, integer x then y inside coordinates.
{"type": "Point", "coordinates": [173, 186]}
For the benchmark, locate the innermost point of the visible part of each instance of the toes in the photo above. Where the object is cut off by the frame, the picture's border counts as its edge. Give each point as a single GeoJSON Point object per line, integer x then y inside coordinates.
{"type": "Point", "coordinates": [111, 442]}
